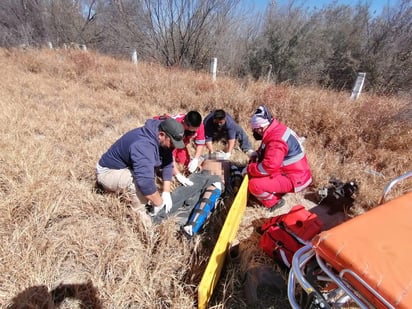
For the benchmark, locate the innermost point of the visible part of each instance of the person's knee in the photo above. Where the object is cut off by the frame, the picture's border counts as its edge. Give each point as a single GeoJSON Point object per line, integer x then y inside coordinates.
{"type": "Point", "coordinates": [254, 188]}
{"type": "Point", "coordinates": [101, 182]}
{"type": "Point", "coordinates": [115, 181]}
{"type": "Point", "coordinates": [125, 181]}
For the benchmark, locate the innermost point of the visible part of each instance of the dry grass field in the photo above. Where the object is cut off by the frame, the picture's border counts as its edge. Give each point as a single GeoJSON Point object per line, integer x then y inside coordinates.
{"type": "Point", "coordinates": [65, 245]}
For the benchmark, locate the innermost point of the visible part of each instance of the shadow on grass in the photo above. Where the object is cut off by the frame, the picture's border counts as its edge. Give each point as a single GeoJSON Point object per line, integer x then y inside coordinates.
{"type": "Point", "coordinates": [40, 297]}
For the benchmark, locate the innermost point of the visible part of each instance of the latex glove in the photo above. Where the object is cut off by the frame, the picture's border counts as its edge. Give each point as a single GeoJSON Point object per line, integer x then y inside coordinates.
{"type": "Point", "coordinates": [226, 155]}
{"type": "Point", "coordinates": [155, 210]}
{"type": "Point", "coordinates": [183, 180]}
{"type": "Point", "coordinates": [193, 165]}
{"type": "Point", "coordinates": [220, 155]}
{"type": "Point", "coordinates": [167, 201]}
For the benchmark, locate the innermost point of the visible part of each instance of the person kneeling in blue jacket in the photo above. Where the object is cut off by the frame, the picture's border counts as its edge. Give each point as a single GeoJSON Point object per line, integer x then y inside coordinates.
{"type": "Point", "coordinates": [131, 162]}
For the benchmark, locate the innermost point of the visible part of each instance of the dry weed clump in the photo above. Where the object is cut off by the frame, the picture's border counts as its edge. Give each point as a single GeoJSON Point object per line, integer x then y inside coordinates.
{"type": "Point", "coordinates": [64, 242]}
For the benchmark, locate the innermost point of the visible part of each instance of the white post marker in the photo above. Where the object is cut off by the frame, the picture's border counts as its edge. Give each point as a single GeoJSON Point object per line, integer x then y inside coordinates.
{"type": "Point", "coordinates": [213, 68]}
{"type": "Point", "coordinates": [134, 57]}
{"type": "Point", "coordinates": [357, 88]}
{"type": "Point", "coordinates": [269, 73]}
{"type": "Point", "coordinates": [50, 45]}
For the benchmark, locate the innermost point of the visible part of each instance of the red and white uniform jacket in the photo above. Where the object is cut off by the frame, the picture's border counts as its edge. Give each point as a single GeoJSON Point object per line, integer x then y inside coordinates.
{"type": "Point", "coordinates": [198, 137]}
{"type": "Point", "coordinates": [281, 152]}
{"type": "Point", "coordinates": [182, 155]}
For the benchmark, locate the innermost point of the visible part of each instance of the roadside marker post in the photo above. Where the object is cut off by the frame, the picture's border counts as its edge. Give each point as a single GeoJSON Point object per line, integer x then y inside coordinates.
{"type": "Point", "coordinates": [213, 68]}
{"type": "Point", "coordinates": [357, 88]}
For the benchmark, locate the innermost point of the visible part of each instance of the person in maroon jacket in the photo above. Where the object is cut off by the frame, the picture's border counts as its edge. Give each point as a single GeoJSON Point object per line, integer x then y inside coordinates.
{"type": "Point", "coordinates": [280, 165]}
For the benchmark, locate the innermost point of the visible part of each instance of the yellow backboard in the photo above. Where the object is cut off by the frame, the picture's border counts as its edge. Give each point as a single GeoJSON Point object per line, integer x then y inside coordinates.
{"type": "Point", "coordinates": [227, 234]}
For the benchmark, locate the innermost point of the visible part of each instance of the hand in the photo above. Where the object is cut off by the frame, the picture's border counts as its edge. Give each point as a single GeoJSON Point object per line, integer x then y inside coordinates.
{"type": "Point", "coordinates": [251, 154]}
{"type": "Point", "coordinates": [226, 155]}
{"type": "Point", "coordinates": [153, 210]}
{"type": "Point", "coordinates": [193, 165]}
{"type": "Point", "coordinates": [183, 180]}
{"type": "Point", "coordinates": [244, 171]}
{"type": "Point", "coordinates": [220, 155]}
{"type": "Point", "coordinates": [167, 201]}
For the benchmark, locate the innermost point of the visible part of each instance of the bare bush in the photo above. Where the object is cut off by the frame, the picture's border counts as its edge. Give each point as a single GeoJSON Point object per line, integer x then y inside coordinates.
{"type": "Point", "coordinates": [22, 22]}
{"type": "Point", "coordinates": [294, 44]}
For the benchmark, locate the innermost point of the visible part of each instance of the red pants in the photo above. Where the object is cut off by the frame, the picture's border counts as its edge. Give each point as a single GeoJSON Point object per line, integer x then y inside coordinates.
{"type": "Point", "coordinates": [269, 190]}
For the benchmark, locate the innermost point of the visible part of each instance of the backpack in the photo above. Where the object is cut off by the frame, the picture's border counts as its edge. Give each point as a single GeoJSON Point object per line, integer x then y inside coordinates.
{"type": "Point", "coordinates": [283, 235]}
{"type": "Point", "coordinates": [338, 196]}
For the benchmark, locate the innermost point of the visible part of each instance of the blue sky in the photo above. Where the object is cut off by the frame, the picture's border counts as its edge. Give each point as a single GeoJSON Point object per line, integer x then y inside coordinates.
{"type": "Point", "coordinates": [376, 5]}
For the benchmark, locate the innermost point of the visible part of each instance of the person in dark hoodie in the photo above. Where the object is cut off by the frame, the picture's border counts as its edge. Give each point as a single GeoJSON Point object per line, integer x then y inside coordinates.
{"type": "Point", "coordinates": [219, 125]}
{"type": "Point", "coordinates": [131, 162]}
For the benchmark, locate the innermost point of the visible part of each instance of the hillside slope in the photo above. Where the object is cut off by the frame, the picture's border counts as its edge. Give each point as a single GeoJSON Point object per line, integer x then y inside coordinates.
{"type": "Point", "coordinates": [60, 110]}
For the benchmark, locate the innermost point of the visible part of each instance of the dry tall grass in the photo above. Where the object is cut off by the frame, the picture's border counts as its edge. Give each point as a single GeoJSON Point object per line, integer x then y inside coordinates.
{"type": "Point", "coordinates": [60, 110]}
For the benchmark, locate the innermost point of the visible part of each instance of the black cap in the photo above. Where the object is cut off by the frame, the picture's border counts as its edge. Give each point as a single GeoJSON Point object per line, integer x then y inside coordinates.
{"type": "Point", "coordinates": [219, 114]}
{"type": "Point", "coordinates": [174, 130]}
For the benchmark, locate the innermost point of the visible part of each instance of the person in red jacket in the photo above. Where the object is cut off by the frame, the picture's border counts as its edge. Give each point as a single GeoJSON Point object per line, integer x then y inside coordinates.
{"type": "Point", "coordinates": [280, 165]}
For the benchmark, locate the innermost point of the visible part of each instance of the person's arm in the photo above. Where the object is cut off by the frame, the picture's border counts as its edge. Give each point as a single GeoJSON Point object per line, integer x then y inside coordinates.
{"type": "Point", "coordinates": [166, 197]}
{"type": "Point", "coordinates": [166, 186]}
{"type": "Point", "coordinates": [231, 127]}
{"type": "Point", "coordinates": [175, 168]}
{"type": "Point", "coordinates": [275, 152]}
{"type": "Point", "coordinates": [230, 145]}
{"type": "Point", "coordinates": [164, 200]}
{"type": "Point", "coordinates": [209, 146]}
{"type": "Point", "coordinates": [208, 132]}
{"type": "Point", "coordinates": [143, 172]}
{"type": "Point", "coordinates": [155, 199]}
{"type": "Point", "coordinates": [199, 151]}
{"type": "Point", "coordinates": [200, 141]}
{"type": "Point", "coordinates": [194, 163]}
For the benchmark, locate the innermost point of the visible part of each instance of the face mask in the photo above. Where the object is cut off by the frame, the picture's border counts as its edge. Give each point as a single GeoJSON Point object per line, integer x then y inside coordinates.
{"type": "Point", "coordinates": [189, 133]}
{"type": "Point", "coordinates": [257, 136]}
